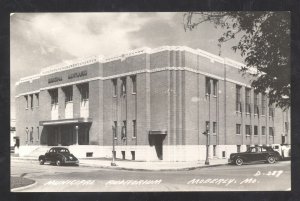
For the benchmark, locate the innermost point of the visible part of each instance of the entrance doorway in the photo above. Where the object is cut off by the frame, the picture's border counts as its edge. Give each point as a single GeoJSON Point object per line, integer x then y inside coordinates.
{"type": "Point", "coordinates": [156, 140]}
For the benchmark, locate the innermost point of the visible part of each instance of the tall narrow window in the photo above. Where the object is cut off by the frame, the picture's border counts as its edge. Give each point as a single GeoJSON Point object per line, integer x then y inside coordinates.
{"type": "Point", "coordinates": [84, 91]}
{"type": "Point", "coordinates": [271, 111]}
{"type": "Point", "coordinates": [124, 130]}
{"type": "Point", "coordinates": [134, 128]}
{"type": "Point", "coordinates": [115, 83]}
{"type": "Point", "coordinates": [54, 96]}
{"type": "Point", "coordinates": [214, 150]}
{"type": "Point", "coordinates": [31, 101]}
{"type": "Point", "coordinates": [215, 87]}
{"type": "Point", "coordinates": [37, 99]}
{"type": "Point", "coordinates": [123, 86]}
{"type": "Point", "coordinates": [238, 129]}
{"type": "Point", "coordinates": [68, 94]}
{"type": "Point", "coordinates": [238, 98]}
{"type": "Point", "coordinates": [26, 99]}
{"type": "Point", "coordinates": [207, 127]}
{"type": "Point", "coordinates": [214, 127]}
{"type": "Point", "coordinates": [271, 131]}
{"type": "Point", "coordinates": [207, 85]}
{"type": "Point", "coordinates": [247, 102]}
{"type": "Point", "coordinates": [248, 130]}
{"type": "Point", "coordinates": [31, 135]}
{"type": "Point", "coordinates": [133, 79]}
{"type": "Point", "coordinates": [263, 130]}
{"type": "Point", "coordinates": [255, 130]}
{"type": "Point", "coordinates": [115, 129]}
{"type": "Point", "coordinates": [256, 109]}
{"type": "Point", "coordinates": [263, 104]}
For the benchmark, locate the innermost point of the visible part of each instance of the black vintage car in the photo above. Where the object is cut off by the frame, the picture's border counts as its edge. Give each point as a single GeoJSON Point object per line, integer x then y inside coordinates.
{"type": "Point", "coordinates": [59, 156]}
{"type": "Point", "coordinates": [260, 153]}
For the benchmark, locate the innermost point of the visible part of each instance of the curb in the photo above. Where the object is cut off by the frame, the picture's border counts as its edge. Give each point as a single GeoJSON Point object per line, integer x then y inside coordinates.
{"type": "Point", "coordinates": [23, 187]}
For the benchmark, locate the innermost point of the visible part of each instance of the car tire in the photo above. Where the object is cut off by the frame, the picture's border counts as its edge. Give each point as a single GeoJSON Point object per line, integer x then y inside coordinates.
{"type": "Point", "coordinates": [271, 159]}
{"type": "Point", "coordinates": [41, 161]}
{"type": "Point", "coordinates": [58, 162]}
{"type": "Point", "coordinates": [239, 161]}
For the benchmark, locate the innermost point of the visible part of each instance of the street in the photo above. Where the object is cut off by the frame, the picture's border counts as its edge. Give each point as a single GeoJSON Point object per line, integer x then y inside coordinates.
{"type": "Point", "coordinates": [252, 177]}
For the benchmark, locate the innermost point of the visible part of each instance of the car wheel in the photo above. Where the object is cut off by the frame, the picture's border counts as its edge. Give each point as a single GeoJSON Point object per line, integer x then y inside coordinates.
{"type": "Point", "coordinates": [41, 161]}
{"type": "Point", "coordinates": [58, 162]}
{"type": "Point", "coordinates": [271, 159]}
{"type": "Point", "coordinates": [239, 161]}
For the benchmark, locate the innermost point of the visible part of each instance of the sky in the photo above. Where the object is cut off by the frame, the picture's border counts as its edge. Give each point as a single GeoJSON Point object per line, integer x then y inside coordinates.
{"type": "Point", "coordinates": [38, 40]}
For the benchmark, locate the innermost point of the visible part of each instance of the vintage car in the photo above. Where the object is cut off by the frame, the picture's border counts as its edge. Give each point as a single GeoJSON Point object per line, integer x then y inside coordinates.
{"type": "Point", "coordinates": [253, 154]}
{"type": "Point", "coordinates": [58, 156]}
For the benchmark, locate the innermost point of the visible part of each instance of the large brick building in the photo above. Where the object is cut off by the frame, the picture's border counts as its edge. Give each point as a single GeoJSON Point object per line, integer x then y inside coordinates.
{"type": "Point", "coordinates": [154, 103]}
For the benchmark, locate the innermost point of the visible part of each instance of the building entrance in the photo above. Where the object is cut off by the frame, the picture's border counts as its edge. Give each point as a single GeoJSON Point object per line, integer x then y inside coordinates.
{"type": "Point", "coordinates": [156, 139]}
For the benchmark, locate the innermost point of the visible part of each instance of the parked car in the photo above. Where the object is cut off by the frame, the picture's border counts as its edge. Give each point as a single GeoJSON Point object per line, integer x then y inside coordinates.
{"type": "Point", "coordinates": [59, 156]}
{"type": "Point", "coordinates": [260, 153]}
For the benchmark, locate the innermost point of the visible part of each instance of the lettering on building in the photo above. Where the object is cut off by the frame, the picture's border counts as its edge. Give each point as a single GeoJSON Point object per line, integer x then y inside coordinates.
{"type": "Point", "coordinates": [77, 74]}
{"type": "Point", "coordinates": [54, 79]}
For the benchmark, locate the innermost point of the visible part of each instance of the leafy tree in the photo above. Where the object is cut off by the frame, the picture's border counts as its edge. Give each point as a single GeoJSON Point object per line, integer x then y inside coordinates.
{"type": "Point", "coordinates": [263, 40]}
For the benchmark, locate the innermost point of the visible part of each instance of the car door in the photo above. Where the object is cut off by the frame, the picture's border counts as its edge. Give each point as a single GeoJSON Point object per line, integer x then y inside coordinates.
{"type": "Point", "coordinates": [48, 155]}
{"type": "Point", "coordinates": [253, 155]}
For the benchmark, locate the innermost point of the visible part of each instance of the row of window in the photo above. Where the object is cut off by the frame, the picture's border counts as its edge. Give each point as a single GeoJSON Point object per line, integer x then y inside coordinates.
{"type": "Point", "coordinates": [30, 136]}
{"type": "Point", "coordinates": [124, 85]}
{"type": "Point", "coordinates": [124, 129]}
{"type": "Point", "coordinates": [214, 128]}
{"type": "Point", "coordinates": [30, 99]}
{"type": "Point", "coordinates": [211, 86]}
{"type": "Point", "coordinates": [248, 130]}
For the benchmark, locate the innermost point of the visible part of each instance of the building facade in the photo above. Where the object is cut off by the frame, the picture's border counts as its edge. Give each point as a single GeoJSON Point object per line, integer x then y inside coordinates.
{"type": "Point", "coordinates": [153, 104]}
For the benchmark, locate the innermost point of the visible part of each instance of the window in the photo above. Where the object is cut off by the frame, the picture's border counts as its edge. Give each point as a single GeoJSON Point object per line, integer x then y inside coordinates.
{"type": "Point", "coordinates": [115, 83]}
{"type": "Point", "coordinates": [263, 104]}
{"type": "Point", "coordinates": [37, 99]}
{"type": "Point", "coordinates": [255, 130]}
{"type": "Point", "coordinates": [54, 96]}
{"type": "Point", "coordinates": [207, 85]}
{"type": "Point", "coordinates": [133, 79]}
{"type": "Point", "coordinates": [215, 87]}
{"type": "Point", "coordinates": [271, 131]}
{"type": "Point", "coordinates": [214, 150]}
{"type": "Point", "coordinates": [248, 130]}
{"type": "Point", "coordinates": [124, 131]}
{"type": "Point", "coordinates": [286, 127]}
{"type": "Point", "coordinates": [31, 135]}
{"type": "Point", "coordinates": [207, 126]}
{"type": "Point", "coordinates": [263, 130]}
{"type": "Point", "coordinates": [271, 111]}
{"type": "Point", "coordinates": [238, 148]}
{"type": "Point", "coordinates": [84, 91]}
{"type": "Point", "coordinates": [247, 100]}
{"type": "Point", "coordinates": [123, 86]}
{"type": "Point", "coordinates": [134, 128]}
{"type": "Point", "coordinates": [26, 99]}
{"type": "Point", "coordinates": [256, 109]}
{"type": "Point", "coordinates": [238, 98]}
{"type": "Point", "coordinates": [214, 127]}
{"type": "Point", "coordinates": [238, 129]}
{"type": "Point", "coordinates": [68, 94]}
{"type": "Point", "coordinates": [31, 101]}
{"type": "Point", "coordinates": [115, 130]}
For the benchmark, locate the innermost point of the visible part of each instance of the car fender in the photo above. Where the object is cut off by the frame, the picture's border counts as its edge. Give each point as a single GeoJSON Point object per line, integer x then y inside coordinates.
{"type": "Point", "coordinates": [236, 157]}
{"type": "Point", "coordinates": [42, 157]}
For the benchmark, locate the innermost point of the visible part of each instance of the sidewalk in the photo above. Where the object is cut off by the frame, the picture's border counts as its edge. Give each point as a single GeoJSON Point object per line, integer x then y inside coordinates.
{"type": "Point", "coordinates": [141, 165]}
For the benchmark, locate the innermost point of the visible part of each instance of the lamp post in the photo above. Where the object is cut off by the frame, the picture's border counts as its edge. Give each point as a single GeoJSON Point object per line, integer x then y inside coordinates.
{"type": "Point", "coordinates": [113, 144]}
{"type": "Point", "coordinates": [207, 146]}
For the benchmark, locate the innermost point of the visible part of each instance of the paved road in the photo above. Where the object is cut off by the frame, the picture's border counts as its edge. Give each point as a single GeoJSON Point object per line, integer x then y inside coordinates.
{"type": "Point", "coordinates": [261, 177]}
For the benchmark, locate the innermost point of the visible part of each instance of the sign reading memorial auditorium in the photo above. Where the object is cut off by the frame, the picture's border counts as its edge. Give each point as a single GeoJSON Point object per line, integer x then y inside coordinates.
{"type": "Point", "coordinates": [77, 74]}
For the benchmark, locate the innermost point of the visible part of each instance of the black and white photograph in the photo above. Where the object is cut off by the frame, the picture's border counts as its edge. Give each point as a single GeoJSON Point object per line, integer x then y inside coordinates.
{"type": "Point", "coordinates": [150, 101]}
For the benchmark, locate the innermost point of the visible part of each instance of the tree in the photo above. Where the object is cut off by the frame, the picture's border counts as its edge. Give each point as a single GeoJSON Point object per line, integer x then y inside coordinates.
{"type": "Point", "coordinates": [263, 40]}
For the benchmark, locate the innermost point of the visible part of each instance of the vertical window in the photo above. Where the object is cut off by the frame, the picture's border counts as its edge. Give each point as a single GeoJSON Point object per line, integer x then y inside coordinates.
{"type": "Point", "coordinates": [115, 83]}
{"type": "Point", "coordinates": [37, 99]}
{"type": "Point", "coordinates": [26, 99]}
{"type": "Point", "coordinates": [84, 91]}
{"type": "Point", "coordinates": [68, 94]}
{"type": "Point", "coordinates": [207, 85]}
{"type": "Point", "coordinates": [207, 126]}
{"type": "Point", "coordinates": [263, 130]}
{"type": "Point", "coordinates": [124, 131]}
{"type": "Point", "coordinates": [271, 111]}
{"type": "Point", "coordinates": [271, 131]}
{"type": "Point", "coordinates": [214, 127]}
{"type": "Point", "coordinates": [123, 86]}
{"type": "Point", "coordinates": [215, 87]}
{"type": "Point", "coordinates": [238, 148]}
{"type": "Point", "coordinates": [54, 96]}
{"type": "Point", "coordinates": [214, 150]}
{"type": "Point", "coordinates": [31, 101]}
{"type": "Point", "coordinates": [134, 128]}
{"type": "Point", "coordinates": [248, 130]}
{"type": "Point", "coordinates": [256, 111]}
{"type": "Point", "coordinates": [255, 130]}
{"type": "Point", "coordinates": [133, 79]}
{"type": "Point", "coordinates": [238, 98]}
{"type": "Point", "coordinates": [115, 130]}
{"type": "Point", "coordinates": [31, 135]}
{"type": "Point", "coordinates": [263, 104]}
{"type": "Point", "coordinates": [238, 129]}
{"type": "Point", "coordinates": [247, 100]}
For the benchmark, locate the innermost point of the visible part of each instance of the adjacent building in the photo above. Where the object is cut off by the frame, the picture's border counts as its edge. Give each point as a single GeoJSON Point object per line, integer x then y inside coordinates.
{"type": "Point", "coordinates": [153, 104]}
